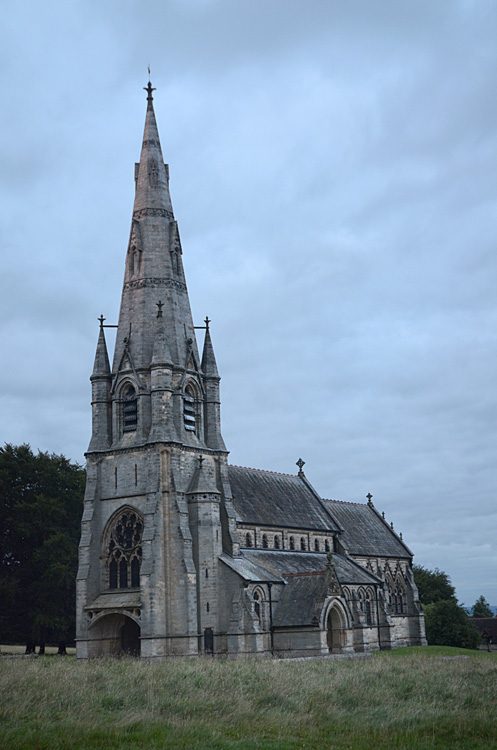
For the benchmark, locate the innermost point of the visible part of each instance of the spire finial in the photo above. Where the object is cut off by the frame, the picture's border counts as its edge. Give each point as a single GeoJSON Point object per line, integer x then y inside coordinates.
{"type": "Point", "coordinates": [101, 319]}
{"type": "Point", "coordinates": [148, 88]}
{"type": "Point", "coordinates": [207, 321]}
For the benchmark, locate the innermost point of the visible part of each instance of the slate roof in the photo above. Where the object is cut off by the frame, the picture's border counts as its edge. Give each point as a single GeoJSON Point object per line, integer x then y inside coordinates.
{"type": "Point", "coordinates": [365, 532]}
{"type": "Point", "coordinates": [278, 564]}
{"type": "Point", "coordinates": [299, 601]}
{"type": "Point", "coordinates": [269, 499]}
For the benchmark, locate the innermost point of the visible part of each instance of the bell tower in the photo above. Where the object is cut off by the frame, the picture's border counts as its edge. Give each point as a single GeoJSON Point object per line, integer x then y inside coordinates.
{"type": "Point", "coordinates": [158, 510]}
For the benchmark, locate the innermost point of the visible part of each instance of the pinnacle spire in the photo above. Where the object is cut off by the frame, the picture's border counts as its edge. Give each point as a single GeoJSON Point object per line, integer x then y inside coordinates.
{"type": "Point", "coordinates": [101, 367]}
{"type": "Point", "coordinates": [209, 365]}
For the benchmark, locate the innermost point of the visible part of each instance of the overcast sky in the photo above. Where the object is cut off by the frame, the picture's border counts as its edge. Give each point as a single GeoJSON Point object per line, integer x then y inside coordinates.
{"type": "Point", "coordinates": [333, 171]}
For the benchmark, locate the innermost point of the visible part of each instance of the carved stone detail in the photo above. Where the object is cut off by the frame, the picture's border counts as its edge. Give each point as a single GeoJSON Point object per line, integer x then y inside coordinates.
{"type": "Point", "coordinates": [165, 212]}
{"type": "Point", "coordinates": [156, 282]}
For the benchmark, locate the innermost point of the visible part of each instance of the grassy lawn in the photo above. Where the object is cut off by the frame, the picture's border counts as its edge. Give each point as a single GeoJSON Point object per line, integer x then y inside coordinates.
{"type": "Point", "coordinates": [410, 698]}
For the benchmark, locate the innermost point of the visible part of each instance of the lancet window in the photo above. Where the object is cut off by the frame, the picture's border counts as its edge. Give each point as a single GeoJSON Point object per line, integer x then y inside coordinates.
{"type": "Point", "coordinates": [189, 410]}
{"type": "Point", "coordinates": [130, 409]}
{"type": "Point", "coordinates": [124, 550]}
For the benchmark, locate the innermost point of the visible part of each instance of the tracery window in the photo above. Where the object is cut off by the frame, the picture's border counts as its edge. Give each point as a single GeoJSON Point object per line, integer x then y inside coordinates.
{"type": "Point", "coordinates": [124, 551]}
{"type": "Point", "coordinates": [130, 409]}
{"type": "Point", "coordinates": [189, 409]}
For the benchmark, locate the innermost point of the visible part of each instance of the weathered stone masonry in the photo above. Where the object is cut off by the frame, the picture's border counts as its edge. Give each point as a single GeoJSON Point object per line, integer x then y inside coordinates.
{"type": "Point", "coordinates": [181, 553]}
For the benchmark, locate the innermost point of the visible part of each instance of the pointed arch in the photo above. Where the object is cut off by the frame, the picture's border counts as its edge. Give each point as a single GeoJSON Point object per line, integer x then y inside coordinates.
{"type": "Point", "coordinates": [122, 548]}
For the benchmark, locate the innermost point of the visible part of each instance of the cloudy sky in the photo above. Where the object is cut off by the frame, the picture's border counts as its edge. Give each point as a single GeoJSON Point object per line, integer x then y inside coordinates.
{"type": "Point", "coordinates": [333, 171]}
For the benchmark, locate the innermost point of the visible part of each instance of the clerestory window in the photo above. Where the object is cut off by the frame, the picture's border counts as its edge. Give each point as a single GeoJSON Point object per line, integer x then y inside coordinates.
{"type": "Point", "coordinates": [124, 550]}
{"type": "Point", "coordinates": [130, 409]}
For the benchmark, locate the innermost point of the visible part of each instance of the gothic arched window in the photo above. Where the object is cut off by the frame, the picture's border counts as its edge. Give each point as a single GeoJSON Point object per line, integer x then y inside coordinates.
{"type": "Point", "coordinates": [130, 409]}
{"type": "Point", "coordinates": [189, 409]}
{"type": "Point", "coordinates": [264, 541]}
{"type": "Point", "coordinates": [248, 540]}
{"type": "Point", "coordinates": [316, 545]}
{"type": "Point", "coordinates": [257, 604]}
{"type": "Point", "coordinates": [292, 543]}
{"type": "Point", "coordinates": [123, 550]}
{"type": "Point", "coordinates": [302, 544]}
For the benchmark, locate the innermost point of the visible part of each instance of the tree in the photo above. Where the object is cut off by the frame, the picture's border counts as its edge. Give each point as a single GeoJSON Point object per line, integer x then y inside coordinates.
{"type": "Point", "coordinates": [447, 624]}
{"type": "Point", "coordinates": [433, 585]}
{"type": "Point", "coordinates": [41, 499]}
{"type": "Point", "coordinates": [481, 608]}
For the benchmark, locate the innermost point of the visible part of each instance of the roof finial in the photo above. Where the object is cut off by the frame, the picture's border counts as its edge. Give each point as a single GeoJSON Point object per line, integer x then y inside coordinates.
{"type": "Point", "coordinates": [300, 463]}
{"type": "Point", "coordinates": [370, 497]}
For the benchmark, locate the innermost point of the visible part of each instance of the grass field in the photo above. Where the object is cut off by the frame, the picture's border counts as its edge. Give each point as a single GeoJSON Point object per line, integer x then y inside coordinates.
{"type": "Point", "coordinates": [409, 698]}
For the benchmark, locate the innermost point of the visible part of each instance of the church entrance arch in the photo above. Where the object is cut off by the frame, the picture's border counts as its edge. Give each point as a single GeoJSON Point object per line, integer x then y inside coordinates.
{"type": "Point", "coordinates": [115, 634]}
{"type": "Point", "coordinates": [335, 630]}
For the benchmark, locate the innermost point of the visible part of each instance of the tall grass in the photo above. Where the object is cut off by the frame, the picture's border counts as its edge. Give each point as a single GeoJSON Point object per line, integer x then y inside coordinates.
{"type": "Point", "coordinates": [382, 702]}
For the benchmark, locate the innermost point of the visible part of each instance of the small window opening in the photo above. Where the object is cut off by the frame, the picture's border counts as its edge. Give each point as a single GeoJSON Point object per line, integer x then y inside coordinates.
{"type": "Point", "coordinates": [316, 545]}
{"type": "Point", "coordinates": [207, 573]}
{"type": "Point", "coordinates": [276, 542]}
{"type": "Point", "coordinates": [302, 544]}
{"type": "Point", "coordinates": [115, 478]}
{"type": "Point", "coordinates": [208, 608]}
{"type": "Point", "coordinates": [136, 475]}
{"type": "Point", "coordinates": [189, 411]}
{"type": "Point", "coordinates": [264, 541]}
{"type": "Point", "coordinates": [130, 409]}
{"type": "Point", "coordinates": [326, 545]}
{"type": "Point", "coordinates": [248, 540]}
{"type": "Point", "coordinates": [292, 543]}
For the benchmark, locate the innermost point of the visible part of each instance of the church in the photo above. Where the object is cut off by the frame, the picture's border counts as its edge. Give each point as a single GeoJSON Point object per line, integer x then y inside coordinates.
{"type": "Point", "coordinates": [183, 554]}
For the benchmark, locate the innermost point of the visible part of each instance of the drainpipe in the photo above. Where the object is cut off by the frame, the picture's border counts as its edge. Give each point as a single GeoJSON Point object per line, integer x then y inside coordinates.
{"type": "Point", "coordinates": [271, 630]}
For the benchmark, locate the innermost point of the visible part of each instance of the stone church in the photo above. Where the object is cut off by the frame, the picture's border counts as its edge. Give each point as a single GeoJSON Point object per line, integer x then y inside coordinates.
{"type": "Point", "coordinates": [182, 553]}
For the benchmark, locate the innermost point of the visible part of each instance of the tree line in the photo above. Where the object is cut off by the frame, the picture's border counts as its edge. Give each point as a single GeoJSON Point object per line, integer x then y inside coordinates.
{"type": "Point", "coordinates": [446, 621]}
{"type": "Point", "coordinates": [41, 502]}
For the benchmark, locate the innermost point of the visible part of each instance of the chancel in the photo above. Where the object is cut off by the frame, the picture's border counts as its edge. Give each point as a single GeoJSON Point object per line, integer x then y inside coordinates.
{"type": "Point", "coordinates": [182, 553]}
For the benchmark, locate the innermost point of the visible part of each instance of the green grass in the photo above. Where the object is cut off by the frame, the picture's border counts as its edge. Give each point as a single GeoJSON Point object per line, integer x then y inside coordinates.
{"type": "Point", "coordinates": [406, 699]}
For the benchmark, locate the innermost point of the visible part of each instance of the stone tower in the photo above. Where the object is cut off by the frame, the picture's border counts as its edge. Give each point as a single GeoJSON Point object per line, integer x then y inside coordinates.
{"type": "Point", "coordinates": [158, 512]}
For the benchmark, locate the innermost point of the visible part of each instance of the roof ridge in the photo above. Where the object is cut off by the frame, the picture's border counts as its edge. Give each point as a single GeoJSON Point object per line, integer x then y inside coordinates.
{"type": "Point", "coordinates": [264, 471]}
{"type": "Point", "coordinates": [344, 502]}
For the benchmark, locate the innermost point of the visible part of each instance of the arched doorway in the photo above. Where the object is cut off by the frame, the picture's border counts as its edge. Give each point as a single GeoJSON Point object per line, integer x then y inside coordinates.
{"type": "Point", "coordinates": [335, 635]}
{"type": "Point", "coordinates": [114, 634]}
{"type": "Point", "coordinates": [130, 638]}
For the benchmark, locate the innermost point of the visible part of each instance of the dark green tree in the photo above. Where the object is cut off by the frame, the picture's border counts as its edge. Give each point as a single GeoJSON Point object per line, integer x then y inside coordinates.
{"type": "Point", "coordinates": [481, 608]}
{"type": "Point", "coordinates": [41, 499]}
{"type": "Point", "coordinates": [447, 624]}
{"type": "Point", "coordinates": [433, 585]}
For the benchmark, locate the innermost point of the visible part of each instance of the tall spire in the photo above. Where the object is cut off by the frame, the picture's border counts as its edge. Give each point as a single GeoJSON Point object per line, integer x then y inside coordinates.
{"type": "Point", "coordinates": [153, 263]}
